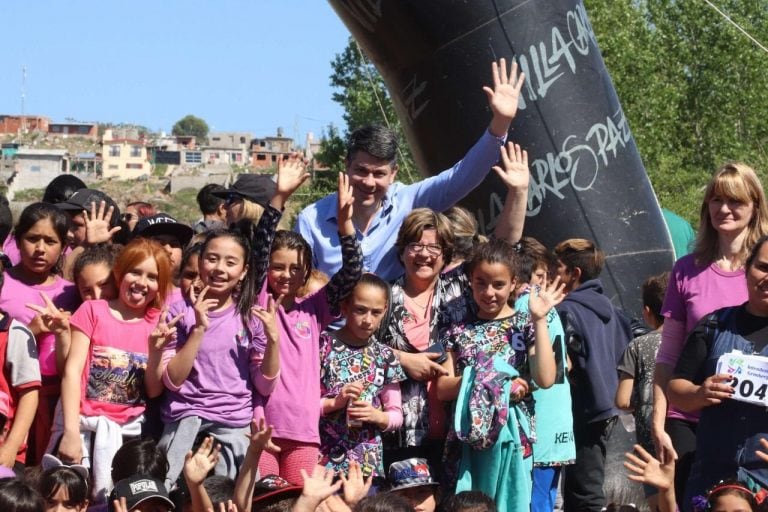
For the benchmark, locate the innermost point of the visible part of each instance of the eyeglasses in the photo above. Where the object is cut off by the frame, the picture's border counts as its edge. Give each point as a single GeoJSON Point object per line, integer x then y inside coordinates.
{"type": "Point", "coordinates": [432, 249]}
{"type": "Point", "coordinates": [128, 217]}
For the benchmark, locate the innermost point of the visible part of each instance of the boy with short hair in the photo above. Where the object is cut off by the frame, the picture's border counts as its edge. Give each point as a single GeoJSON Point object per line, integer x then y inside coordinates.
{"type": "Point", "coordinates": [213, 207]}
{"type": "Point", "coordinates": [635, 392]}
{"type": "Point", "coordinates": [596, 333]}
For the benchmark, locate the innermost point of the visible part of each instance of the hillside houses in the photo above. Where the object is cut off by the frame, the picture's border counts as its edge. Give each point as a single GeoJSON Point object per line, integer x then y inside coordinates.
{"type": "Point", "coordinates": [124, 155]}
{"type": "Point", "coordinates": [36, 149]}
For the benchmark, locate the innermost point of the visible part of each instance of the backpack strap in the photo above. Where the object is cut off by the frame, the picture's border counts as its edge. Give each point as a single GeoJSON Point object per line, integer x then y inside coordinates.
{"type": "Point", "coordinates": [716, 322]}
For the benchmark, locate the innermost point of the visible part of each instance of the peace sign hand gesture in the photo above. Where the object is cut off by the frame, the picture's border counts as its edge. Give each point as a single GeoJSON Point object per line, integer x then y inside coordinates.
{"type": "Point", "coordinates": [55, 320]}
{"type": "Point", "coordinates": [164, 331]}
{"type": "Point", "coordinates": [202, 306]}
{"type": "Point", "coordinates": [346, 200]}
{"type": "Point", "coordinates": [268, 318]}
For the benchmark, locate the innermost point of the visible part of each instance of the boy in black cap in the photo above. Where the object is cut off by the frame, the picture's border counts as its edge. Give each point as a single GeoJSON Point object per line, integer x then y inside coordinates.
{"type": "Point", "coordinates": [139, 493]}
{"type": "Point", "coordinates": [168, 232]}
{"type": "Point", "coordinates": [100, 206]}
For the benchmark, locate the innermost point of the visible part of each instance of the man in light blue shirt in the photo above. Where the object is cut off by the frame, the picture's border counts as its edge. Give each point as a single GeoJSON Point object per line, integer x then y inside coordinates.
{"type": "Point", "coordinates": [381, 203]}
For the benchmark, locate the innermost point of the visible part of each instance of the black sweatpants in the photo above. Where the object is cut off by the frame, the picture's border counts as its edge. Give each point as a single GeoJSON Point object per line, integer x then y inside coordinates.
{"type": "Point", "coordinates": [583, 487]}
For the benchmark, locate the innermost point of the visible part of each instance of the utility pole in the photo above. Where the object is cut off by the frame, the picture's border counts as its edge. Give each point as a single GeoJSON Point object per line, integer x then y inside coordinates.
{"type": "Point", "coordinates": [23, 94]}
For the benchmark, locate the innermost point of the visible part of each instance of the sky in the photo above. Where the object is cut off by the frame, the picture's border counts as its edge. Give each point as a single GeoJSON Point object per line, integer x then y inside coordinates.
{"type": "Point", "coordinates": [241, 65]}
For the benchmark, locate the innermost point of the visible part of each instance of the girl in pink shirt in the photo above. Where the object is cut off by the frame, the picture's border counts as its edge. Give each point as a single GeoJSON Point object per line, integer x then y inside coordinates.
{"type": "Point", "coordinates": [292, 408]}
{"type": "Point", "coordinates": [40, 235]}
{"type": "Point", "coordinates": [103, 388]}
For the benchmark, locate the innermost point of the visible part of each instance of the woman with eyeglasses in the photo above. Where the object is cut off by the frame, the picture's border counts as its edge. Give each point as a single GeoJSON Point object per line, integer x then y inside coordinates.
{"type": "Point", "coordinates": [426, 300]}
{"type": "Point", "coordinates": [136, 211]}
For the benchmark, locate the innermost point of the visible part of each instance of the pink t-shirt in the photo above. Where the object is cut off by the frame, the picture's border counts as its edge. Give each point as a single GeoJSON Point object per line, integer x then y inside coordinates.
{"type": "Point", "coordinates": [692, 293]}
{"type": "Point", "coordinates": [14, 298]}
{"type": "Point", "coordinates": [292, 408]}
{"type": "Point", "coordinates": [112, 384]}
{"type": "Point", "coordinates": [417, 331]}
{"type": "Point", "coordinates": [11, 250]}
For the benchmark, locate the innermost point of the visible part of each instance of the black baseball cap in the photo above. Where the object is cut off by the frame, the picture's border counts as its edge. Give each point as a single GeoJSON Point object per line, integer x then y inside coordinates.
{"type": "Point", "coordinates": [258, 188]}
{"type": "Point", "coordinates": [137, 489]}
{"type": "Point", "coordinates": [162, 224]}
{"type": "Point", "coordinates": [84, 198]}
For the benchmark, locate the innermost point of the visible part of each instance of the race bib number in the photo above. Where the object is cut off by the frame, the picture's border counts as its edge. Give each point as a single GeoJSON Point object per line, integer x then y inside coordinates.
{"type": "Point", "coordinates": [750, 376]}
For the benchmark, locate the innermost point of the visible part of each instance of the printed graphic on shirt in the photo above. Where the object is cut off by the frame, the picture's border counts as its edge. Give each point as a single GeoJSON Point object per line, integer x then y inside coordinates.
{"type": "Point", "coordinates": [375, 365]}
{"type": "Point", "coordinates": [472, 343]}
{"type": "Point", "coordinates": [501, 337]}
{"type": "Point", "coordinates": [242, 339]}
{"type": "Point", "coordinates": [303, 329]}
{"type": "Point", "coordinates": [116, 376]}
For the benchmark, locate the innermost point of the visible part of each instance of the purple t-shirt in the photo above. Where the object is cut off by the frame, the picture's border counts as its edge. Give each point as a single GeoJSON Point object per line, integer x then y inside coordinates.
{"type": "Point", "coordinates": [218, 388]}
{"type": "Point", "coordinates": [693, 292]}
{"type": "Point", "coordinates": [293, 408]}
{"type": "Point", "coordinates": [14, 298]}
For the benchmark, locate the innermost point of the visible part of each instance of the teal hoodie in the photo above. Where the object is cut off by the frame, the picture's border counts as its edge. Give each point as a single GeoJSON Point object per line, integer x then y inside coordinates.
{"type": "Point", "coordinates": [499, 471]}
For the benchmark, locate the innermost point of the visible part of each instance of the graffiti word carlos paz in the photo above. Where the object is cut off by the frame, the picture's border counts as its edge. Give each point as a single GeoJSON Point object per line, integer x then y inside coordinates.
{"type": "Point", "coordinates": [577, 165]}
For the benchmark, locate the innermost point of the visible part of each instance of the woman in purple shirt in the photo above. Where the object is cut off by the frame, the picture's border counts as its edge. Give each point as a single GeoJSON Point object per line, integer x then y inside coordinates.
{"type": "Point", "coordinates": [733, 216]}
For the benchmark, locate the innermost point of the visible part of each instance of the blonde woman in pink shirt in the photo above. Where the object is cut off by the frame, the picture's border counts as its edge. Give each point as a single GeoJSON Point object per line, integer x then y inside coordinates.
{"type": "Point", "coordinates": [733, 216]}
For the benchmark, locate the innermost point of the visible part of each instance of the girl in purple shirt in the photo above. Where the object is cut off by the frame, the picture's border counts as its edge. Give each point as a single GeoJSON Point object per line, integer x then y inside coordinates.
{"type": "Point", "coordinates": [222, 349]}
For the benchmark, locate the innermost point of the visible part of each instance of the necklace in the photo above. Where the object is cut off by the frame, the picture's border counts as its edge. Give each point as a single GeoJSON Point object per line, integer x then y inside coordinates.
{"type": "Point", "coordinates": [413, 301]}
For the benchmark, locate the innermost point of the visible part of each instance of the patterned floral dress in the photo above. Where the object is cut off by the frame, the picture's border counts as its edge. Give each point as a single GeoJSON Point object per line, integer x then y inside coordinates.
{"type": "Point", "coordinates": [375, 365]}
{"type": "Point", "coordinates": [474, 342]}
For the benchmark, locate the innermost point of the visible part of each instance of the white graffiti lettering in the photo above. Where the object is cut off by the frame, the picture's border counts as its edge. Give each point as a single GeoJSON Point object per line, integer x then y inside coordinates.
{"type": "Point", "coordinates": [410, 95]}
{"type": "Point", "coordinates": [577, 164]}
{"type": "Point", "coordinates": [544, 64]}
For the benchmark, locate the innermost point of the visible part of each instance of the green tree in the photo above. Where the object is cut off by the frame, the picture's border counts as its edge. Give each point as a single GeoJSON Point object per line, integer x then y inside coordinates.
{"type": "Point", "coordinates": [332, 152]}
{"type": "Point", "coordinates": [191, 125]}
{"type": "Point", "coordinates": [691, 85]}
{"type": "Point", "coordinates": [365, 99]}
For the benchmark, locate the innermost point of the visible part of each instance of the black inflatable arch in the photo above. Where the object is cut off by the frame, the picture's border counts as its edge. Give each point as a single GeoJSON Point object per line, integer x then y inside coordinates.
{"type": "Point", "coordinates": [587, 177]}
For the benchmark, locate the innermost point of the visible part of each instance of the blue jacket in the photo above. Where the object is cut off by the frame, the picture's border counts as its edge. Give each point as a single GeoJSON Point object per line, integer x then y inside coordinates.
{"type": "Point", "coordinates": [728, 434]}
{"type": "Point", "coordinates": [596, 333]}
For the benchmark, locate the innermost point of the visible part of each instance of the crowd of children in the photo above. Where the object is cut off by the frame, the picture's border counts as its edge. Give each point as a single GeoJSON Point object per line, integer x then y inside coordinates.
{"type": "Point", "coordinates": [150, 366]}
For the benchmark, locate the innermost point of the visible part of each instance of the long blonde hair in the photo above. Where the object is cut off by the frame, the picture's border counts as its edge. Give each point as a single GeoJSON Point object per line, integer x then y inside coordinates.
{"type": "Point", "coordinates": [251, 211]}
{"type": "Point", "coordinates": [736, 181]}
